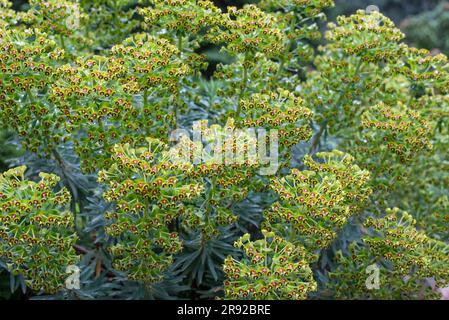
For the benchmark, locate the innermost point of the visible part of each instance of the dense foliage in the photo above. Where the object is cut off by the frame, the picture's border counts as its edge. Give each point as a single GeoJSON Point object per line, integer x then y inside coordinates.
{"type": "Point", "coordinates": [124, 140]}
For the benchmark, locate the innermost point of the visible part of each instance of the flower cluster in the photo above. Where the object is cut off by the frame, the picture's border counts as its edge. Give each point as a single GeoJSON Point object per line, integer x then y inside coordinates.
{"type": "Point", "coordinates": [424, 70]}
{"type": "Point", "coordinates": [274, 111]}
{"type": "Point", "coordinates": [300, 20]}
{"type": "Point", "coordinates": [28, 65]}
{"type": "Point", "coordinates": [400, 125]}
{"type": "Point", "coordinates": [249, 30]}
{"type": "Point", "coordinates": [318, 202]}
{"type": "Point", "coordinates": [224, 161]}
{"type": "Point", "coordinates": [271, 268]}
{"type": "Point", "coordinates": [282, 111]}
{"type": "Point", "coordinates": [435, 108]}
{"type": "Point", "coordinates": [428, 199]}
{"type": "Point", "coordinates": [55, 16]}
{"type": "Point", "coordinates": [148, 193]}
{"type": "Point", "coordinates": [405, 247]}
{"type": "Point", "coordinates": [36, 230]}
{"type": "Point", "coordinates": [110, 22]}
{"type": "Point", "coordinates": [184, 17]}
{"type": "Point", "coordinates": [89, 97]}
{"type": "Point", "coordinates": [397, 135]}
{"type": "Point", "coordinates": [336, 91]}
{"type": "Point", "coordinates": [184, 23]}
{"type": "Point", "coordinates": [346, 84]}
{"type": "Point", "coordinates": [404, 255]}
{"type": "Point", "coordinates": [373, 37]}
{"type": "Point", "coordinates": [246, 76]}
{"type": "Point", "coordinates": [305, 8]}
{"type": "Point", "coordinates": [98, 96]}
{"type": "Point", "coordinates": [7, 15]}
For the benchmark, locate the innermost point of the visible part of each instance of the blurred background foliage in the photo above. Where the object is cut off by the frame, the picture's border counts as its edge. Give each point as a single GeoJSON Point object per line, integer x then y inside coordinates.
{"type": "Point", "coordinates": [398, 10]}
{"type": "Point", "coordinates": [425, 22]}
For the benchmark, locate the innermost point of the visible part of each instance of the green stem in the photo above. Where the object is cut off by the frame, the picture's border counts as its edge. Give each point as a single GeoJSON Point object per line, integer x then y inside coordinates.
{"type": "Point", "coordinates": [30, 95]}
{"type": "Point", "coordinates": [288, 47]}
{"type": "Point", "coordinates": [180, 44]}
{"type": "Point", "coordinates": [281, 66]}
{"type": "Point", "coordinates": [379, 168]}
{"type": "Point", "coordinates": [177, 101]}
{"type": "Point", "coordinates": [145, 98]}
{"type": "Point", "coordinates": [72, 188]}
{"type": "Point", "coordinates": [244, 86]}
{"type": "Point", "coordinates": [208, 208]}
{"type": "Point", "coordinates": [317, 137]}
{"type": "Point", "coordinates": [61, 38]}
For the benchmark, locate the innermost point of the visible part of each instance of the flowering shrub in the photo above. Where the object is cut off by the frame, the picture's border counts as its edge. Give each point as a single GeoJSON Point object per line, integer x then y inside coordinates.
{"type": "Point", "coordinates": [163, 183]}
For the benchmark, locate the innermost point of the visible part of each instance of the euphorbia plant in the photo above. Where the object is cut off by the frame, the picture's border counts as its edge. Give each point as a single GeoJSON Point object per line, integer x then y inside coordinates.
{"type": "Point", "coordinates": [181, 217]}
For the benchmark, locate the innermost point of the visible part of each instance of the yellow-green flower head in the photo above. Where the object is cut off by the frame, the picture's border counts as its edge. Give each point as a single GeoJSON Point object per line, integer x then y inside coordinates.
{"type": "Point", "coordinates": [249, 30]}
{"type": "Point", "coordinates": [60, 17]}
{"type": "Point", "coordinates": [271, 269]}
{"type": "Point", "coordinates": [36, 230]}
{"type": "Point", "coordinates": [104, 88]}
{"type": "Point", "coordinates": [404, 258]}
{"type": "Point", "coordinates": [371, 36]}
{"type": "Point", "coordinates": [318, 202]}
{"type": "Point", "coordinates": [183, 16]}
{"type": "Point", "coordinates": [148, 192]}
